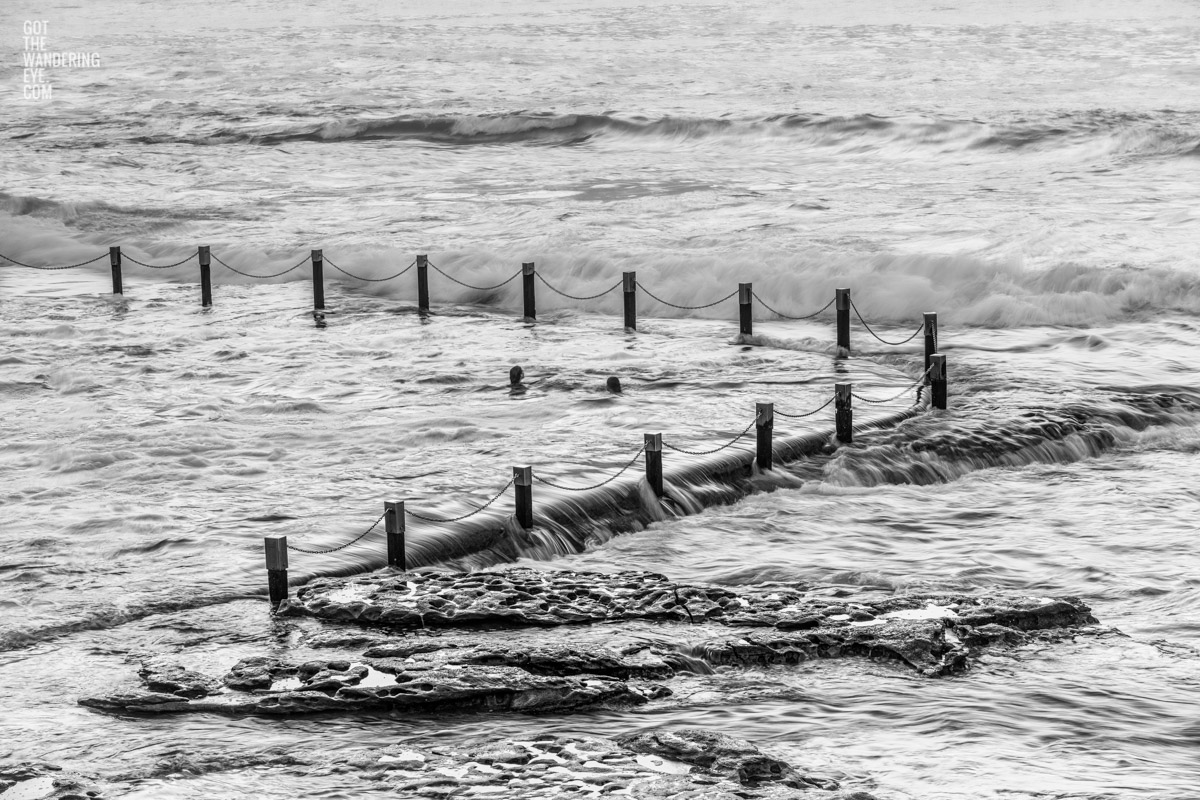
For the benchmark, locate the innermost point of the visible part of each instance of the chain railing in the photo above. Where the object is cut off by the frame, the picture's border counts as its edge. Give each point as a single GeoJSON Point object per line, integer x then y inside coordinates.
{"type": "Point", "coordinates": [880, 338]}
{"type": "Point", "coordinates": [327, 550]}
{"type": "Point", "coordinates": [730, 443]}
{"type": "Point", "coordinates": [786, 316]}
{"type": "Point", "coordinates": [68, 266]}
{"type": "Point", "coordinates": [483, 507]}
{"type": "Point", "coordinates": [605, 482]}
{"type": "Point", "coordinates": [296, 266]}
{"type": "Point", "coordinates": [470, 286]}
{"type": "Point", "coordinates": [686, 308]}
{"type": "Point", "coordinates": [371, 280]}
{"type": "Point", "coordinates": [806, 413]}
{"type": "Point", "coordinates": [556, 290]}
{"type": "Point", "coordinates": [918, 384]}
{"type": "Point", "coordinates": [128, 257]}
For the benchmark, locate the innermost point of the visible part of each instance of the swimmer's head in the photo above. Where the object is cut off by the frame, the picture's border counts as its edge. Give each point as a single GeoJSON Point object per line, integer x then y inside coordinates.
{"type": "Point", "coordinates": [516, 375]}
{"type": "Point", "coordinates": [614, 384]}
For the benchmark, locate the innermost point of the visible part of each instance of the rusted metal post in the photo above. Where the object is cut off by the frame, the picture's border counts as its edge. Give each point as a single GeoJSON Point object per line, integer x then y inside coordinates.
{"type": "Point", "coordinates": [843, 414]}
{"type": "Point", "coordinates": [318, 263]}
{"type": "Point", "coordinates": [654, 474]}
{"type": "Point", "coordinates": [764, 423]}
{"type": "Point", "coordinates": [937, 374]}
{"type": "Point", "coordinates": [527, 279]}
{"type": "Point", "coordinates": [277, 567]}
{"type": "Point", "coordinates": [629, 285]}
{"type": "Point", "coordinates": [842, 305]}
{"type": "Point", "coordinates": [393, 518]}
{"type": "Point", "coordinates": [114, 257]}
{"type": "Point", "coordinates": [931, 333]}
{"type": "Point", "coordinates": [205, 276]}
{"type": "Point", "coordinates": [746, 309]}
{"type": "Point", "coordinates": [523, 485]}
{"type": "Point", "coordinates": [423, 283]}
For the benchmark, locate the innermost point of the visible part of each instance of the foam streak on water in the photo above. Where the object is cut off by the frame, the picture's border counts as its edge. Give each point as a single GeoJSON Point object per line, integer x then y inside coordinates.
{"type": "Point", "coordinates": [1028, 170]}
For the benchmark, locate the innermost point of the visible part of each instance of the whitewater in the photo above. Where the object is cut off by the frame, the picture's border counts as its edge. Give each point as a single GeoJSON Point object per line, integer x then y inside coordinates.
{"type": "Point", "coordinates": [1026, 170]}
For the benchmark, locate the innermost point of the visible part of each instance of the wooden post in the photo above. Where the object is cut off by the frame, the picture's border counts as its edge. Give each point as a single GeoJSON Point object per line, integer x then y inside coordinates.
{"type": "Point", "coordinates": [843, 414]}
{"type": "Point", "coordinates": [393, 519]}
{"type": "Point", "coordinates": [318, 262]}
{"type": "Point", "coordinates": [746, 309]}
{"type": "Point", "coordinates": [114, 256]}
{"type": "Point", "coordinates": [205, 276]}
{"type": "Point", "coordinates": [938, 383]}
{"type": "Point", "coordinates": [931, 332]}
{"type": "Point", "coordinates": [423, 284]}
{"type": "Point", "coordinates": [764, 423]}
{"type": "Point", "coordinates": [523, 485]}
{"type": "Point", "coordinates": [277, 566]}
{"type": "Point", "coordinates": [527, 278]}
{"type": "Point", "coordinates": [629, 285]}
{"type": "Point", "coordinates": [843, 322]}
{"type": "Point", "coordinates": [654, 463]}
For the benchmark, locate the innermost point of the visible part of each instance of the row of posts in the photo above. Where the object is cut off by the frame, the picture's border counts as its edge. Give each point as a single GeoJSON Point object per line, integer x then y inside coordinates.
{"type": "Point", "coordinates": [764, 423]}
{"type": "Point", "coordinates": [529, 297]}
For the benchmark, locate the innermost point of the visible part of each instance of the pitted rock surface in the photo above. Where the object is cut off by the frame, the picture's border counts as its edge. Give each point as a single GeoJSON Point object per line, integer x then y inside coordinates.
{"type": "Point", "coordinates": [381, 683]}
{"type": "Point", "coordinates": [555, 767]}
{"type": "Point", "coordinates": [721, 754]}
{"type": "Point", "coordinates": [538, 659]}
{"type": "Point", "coordinates": [520, 645]}
{"type": "Point", "coordinates": [523, 597]}
{"type": "Point", "coordinates": [40, 780]}
{"type": "Point", "coordinates": [517, 597]}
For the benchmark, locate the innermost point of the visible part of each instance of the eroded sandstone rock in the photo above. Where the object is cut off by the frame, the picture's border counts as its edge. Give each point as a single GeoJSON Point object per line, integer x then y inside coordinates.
{"type": "Point", "coordinates": [682, 763]}
{"type": "Point", "coordinates": [381, 683]}
{"type": "Point", "coordinates": [521, 644]}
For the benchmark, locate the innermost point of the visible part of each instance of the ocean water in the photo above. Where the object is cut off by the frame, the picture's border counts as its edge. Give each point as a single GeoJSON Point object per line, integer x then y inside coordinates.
{"type": "Point", "coordinates": [1026, 169]}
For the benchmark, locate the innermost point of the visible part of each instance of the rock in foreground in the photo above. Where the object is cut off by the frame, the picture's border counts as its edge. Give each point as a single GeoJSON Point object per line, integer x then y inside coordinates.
{"type": "Point", "coordinates": [523, 644]}
{"type": "Point", "coordinates": [662, 764]}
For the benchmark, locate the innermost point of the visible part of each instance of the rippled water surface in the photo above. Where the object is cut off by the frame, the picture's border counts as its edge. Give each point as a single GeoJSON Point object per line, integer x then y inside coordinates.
{"type": "Point", "coordinates": [1027, 170]}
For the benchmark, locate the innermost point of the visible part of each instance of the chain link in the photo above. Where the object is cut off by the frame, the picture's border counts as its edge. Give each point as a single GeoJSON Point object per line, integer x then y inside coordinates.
{"type": "Point", "coordinates": [328, 550]}
{"type": "Point", "coordinates": [159, 266]}
{"type": "Point", "coordinates": [806, 413]}
{"type": "Point", "coordinates": [248, 275]}
{"type": "Point", "coordinates": [495, 497]}
{"type": "Point", "coordinates": [469, 286]}
{"type": "Point", "coordinates": [68, 266]}
{"type": "Point", "coordinates": [371, 280]}
{"type": "Point", "coordinates": [687, 308]}
{"type": "Point", "coordinates": [785, 316]}
{"type": "Point", "coordinates": [575, 297]}
{"type": "Point", "coordinates": [621, 472]}
{"type": "Point", "coordinates": [710, 452]}
{"type": "Point", "coordinates": [877, 336]}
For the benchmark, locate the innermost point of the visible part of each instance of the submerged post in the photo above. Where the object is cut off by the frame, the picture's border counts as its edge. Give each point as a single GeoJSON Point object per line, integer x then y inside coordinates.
{"type": "Point", "coordinates": [318, 262]}
{"type": "Point", "coordinates": [842, 305]}
{"type": "Point", "coordinates": [423, 283]}
{"type": "Point", "coordinates": [746, 309]}
{"type": "Point", "coordinates": [843, 414]}
{"type": "Point", "coordinates": [277, 566]}
{"type": "Point", "coordinates": [114, 256]}
{"type": "Point", "coordinates": [527, 280]}
{"type": "Point", "coordinates": [764, 423]}
{"type": "Point", "coordinates": [393, 518]}
{"type": "Point", "coordinates": [937, 375]}
{"type": "Point", "coordinates": [629, 286]}
{"type": "Point", "coordinates": [523, 485]}
{"type": "Point", "coordinates": [931, 332]}
{"type": "Point", "coordinates": [205, 276]}
{"type": "Point", "coordinates": [654, 463]}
